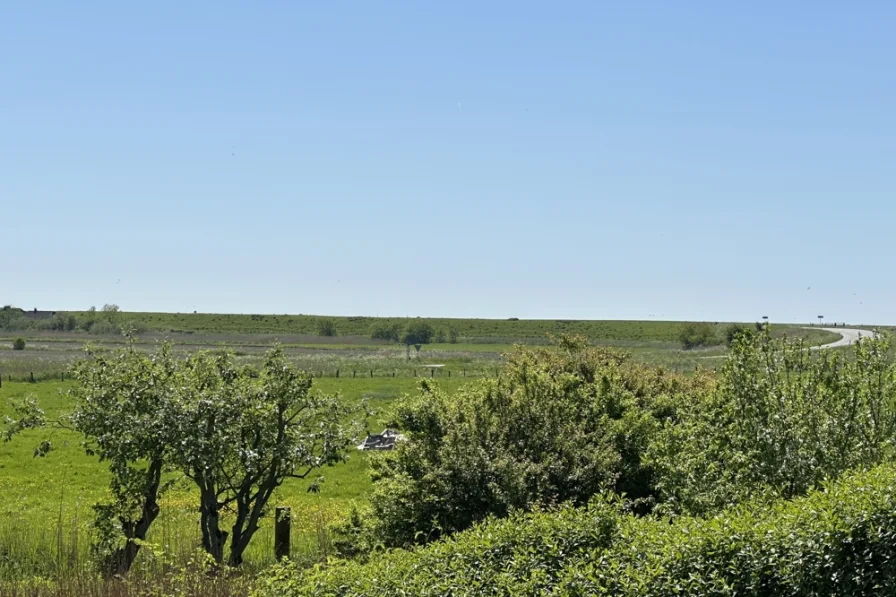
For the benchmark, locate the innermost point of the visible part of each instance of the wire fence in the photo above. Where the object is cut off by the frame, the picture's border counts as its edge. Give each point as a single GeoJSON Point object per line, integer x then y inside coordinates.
{"type": "Point", "coordinates": [340, 373]}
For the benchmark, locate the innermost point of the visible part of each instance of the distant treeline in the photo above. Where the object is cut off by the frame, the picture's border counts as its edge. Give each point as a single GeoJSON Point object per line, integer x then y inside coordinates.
{"type": "Point", "coordinates": [108, 320]}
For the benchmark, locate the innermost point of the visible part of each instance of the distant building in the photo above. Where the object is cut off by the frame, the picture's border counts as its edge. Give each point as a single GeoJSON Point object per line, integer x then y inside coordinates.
{"type": "Point", "coordinates": [35, 314]}
{"type": "Point", "coordinates": [382, 441]}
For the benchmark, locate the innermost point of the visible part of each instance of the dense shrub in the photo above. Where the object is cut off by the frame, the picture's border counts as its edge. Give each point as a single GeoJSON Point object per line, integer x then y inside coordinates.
{"type": "Point", "coordinates": [839, 541]}
{"type": "Point", "coordinates": [18, 344]}
{"type": "Point", "coordinates": [326, 327]}
{"type": "Point", "coordinates": [734, 331]}
{"type": "Point", "coordinates": [386, 331]}
{"type": "Point", "coordinates": [418, 332]}
{"type": "Point", "coordinates": [781, 420]}
{"type": "Point", "coordinates": [698, 334]}
{"type": "Point", "coordinates": [559, 424]}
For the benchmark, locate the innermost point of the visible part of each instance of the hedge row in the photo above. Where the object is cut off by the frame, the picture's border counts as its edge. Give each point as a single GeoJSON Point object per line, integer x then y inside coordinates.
{"type": "Point", "coordinates": [490, 558]}
{"type": "Point", "coordinates": [837, 541]}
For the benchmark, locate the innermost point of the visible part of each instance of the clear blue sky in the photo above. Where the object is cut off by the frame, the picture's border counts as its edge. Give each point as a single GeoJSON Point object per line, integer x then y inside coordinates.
{"type": "Point", "coordinates": [619, 160]}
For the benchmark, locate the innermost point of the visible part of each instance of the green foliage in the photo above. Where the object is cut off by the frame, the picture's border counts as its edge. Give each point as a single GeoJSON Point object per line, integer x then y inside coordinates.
{"type": "Point", "coordinates": [492, 558]}
{"type": "Point", "coordinates": [386, 331]}
{"type": "Point", "coordinates": [452, 335]}
{"type": "Point", "coordinates": [122, 411]}
{"type": "Point", "coordinates": [18, 344]}
{"type": "Point", "coordinates": [559, 424]}
{"type": "Point", "coordinates": [326, 327]}
{"type": "Point", "coordinates": [697, 334]}
{"type": "Point", "coordinates": [238, 434]}
{"type": "Point", "coordinates": [734, 331]}
{"type": "Point", "coordinates": [838, 541]}
{"type": "Point", "coordinates": [440, 336]}
{"type": "Point", "coordinates": [417, 331]}
{"type": "Point", "coordinates": [782, 420]}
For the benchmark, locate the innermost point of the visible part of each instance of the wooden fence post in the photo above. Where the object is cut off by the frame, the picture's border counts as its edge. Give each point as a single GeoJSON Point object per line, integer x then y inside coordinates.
{"type": "Point", "coordinates": [337, 373]}
{"type": "Point", "coordinates": [353, 372]}
{"type": "Point", "coordinates": [282, 528]}
{"type": "Point", "coordinates": [32, 377]}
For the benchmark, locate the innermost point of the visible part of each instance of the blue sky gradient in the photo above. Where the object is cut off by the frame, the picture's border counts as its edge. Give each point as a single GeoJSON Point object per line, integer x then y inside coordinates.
{"type": "Point", "coordinates": [545, 160]}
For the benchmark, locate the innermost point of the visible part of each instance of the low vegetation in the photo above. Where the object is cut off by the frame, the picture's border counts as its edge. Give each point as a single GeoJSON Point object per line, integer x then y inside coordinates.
{"type": "Point", "coordinates": [571, 470]}
{"type": "Point", "coordinates": [840, 540]}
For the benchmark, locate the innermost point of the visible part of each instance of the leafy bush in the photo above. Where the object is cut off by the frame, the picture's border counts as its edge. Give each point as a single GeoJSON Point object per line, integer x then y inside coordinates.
{"type": "Point", "coordinates": [782, 419]}
{"type": "Point", "coordinates": [18, 344]}
{"type": "Point", "coordinates": [491, 558]}
{"type": "Point", "coordinates": [452, 335]}
{"type": "Point", "coordinates": [697, 334]}
{"type": "Point", "coordinates": [326, 327]}
{"type": "Point", "coordinates": [559, 424]}
{"type": "Point", "coordinates": [386, 331]}
{"type": "Point", "coordinates": [734, 331]}
{"type": "Point", "coordinates": [839, 541]}
{"type": "Point", "coordinates": [417, 332]}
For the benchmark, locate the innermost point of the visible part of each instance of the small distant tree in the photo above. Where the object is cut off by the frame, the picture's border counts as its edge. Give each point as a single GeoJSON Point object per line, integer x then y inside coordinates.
{"type": "Point", "coordinates": [326, 327]}
{"type": "Point", "coordinates": [111, 312]}
{"type": "Point", "coordinates": [695, 335]}
{"type": "Point", "coordinates": [452, 335]}
{"type": "Point", "coordinates": [418, 332]}
{"type": "Point", "coordinates": [18, 344]}
{"type": "Point", "coordinates": [440, 336]}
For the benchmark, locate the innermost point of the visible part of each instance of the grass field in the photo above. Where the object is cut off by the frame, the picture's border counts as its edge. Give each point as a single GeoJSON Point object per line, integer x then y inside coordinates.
{"type": "Point", "coordinates": [481, 342]}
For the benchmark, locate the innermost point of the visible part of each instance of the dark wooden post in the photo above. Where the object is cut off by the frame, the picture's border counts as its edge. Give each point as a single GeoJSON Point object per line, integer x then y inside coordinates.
{"type": "Point", "coordinates": [449, 372]}
{"type": "Point", "coordinates": [282, 528]}
{"type": "Point", "coordinates": [32, 377]}
{"type": "Point", "coordinates": [353, 372]}
{"type": "Point", "coordinates": [432, 373]}
{"type": "Point", "coordinates": [371, 373]}
{"type": "Point", "coordinates": [337, 373]}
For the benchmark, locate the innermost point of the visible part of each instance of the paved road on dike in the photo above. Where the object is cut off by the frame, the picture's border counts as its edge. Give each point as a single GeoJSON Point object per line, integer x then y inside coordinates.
{"type": "Point", "coordinates": [848, 336]}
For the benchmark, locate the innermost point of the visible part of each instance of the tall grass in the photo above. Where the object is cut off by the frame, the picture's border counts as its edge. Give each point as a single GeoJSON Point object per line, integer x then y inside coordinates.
{"type": "Point", "coordinates": [56, 560]}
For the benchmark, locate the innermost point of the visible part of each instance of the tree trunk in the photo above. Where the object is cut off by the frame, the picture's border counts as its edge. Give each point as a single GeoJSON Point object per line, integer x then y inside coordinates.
{"type": "Point", "coordinates": [213, 538]}
{"type": "Point", "coordinates": [120, 561]}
